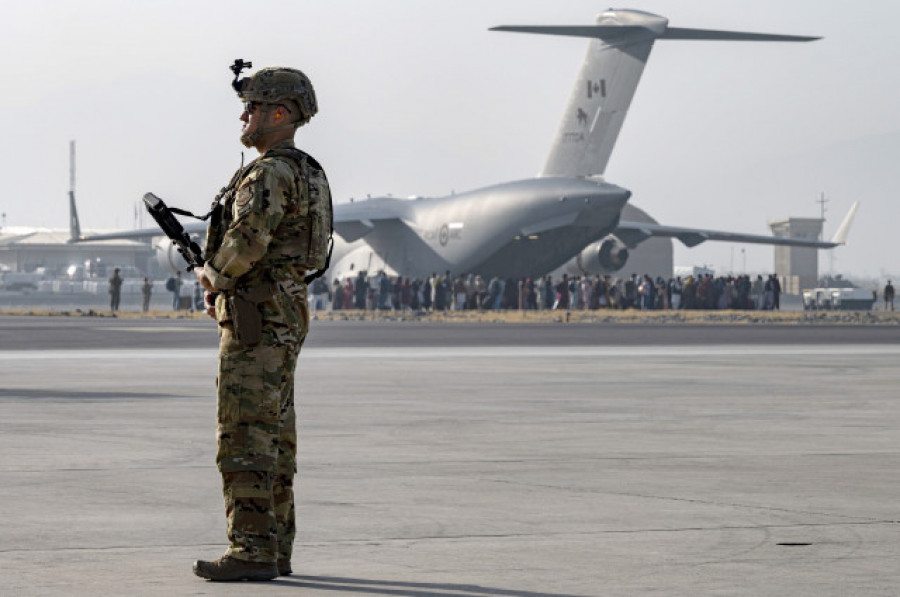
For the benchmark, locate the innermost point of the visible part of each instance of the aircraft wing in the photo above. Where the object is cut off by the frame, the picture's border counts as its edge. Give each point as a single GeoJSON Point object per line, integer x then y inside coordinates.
{"type": "Point", "coordinates": [633, 233]}
{"type": "Point", "coordinates": [352, 221]}
{"type": "Point", "coordinates": [192, 228]}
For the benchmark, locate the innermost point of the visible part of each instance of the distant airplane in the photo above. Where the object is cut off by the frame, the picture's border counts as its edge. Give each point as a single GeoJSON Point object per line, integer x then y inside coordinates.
{"type": "Point", "coordinates": [533, 226]}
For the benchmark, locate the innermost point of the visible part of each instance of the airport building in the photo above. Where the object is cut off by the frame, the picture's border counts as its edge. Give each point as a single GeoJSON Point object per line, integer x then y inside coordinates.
{"type": "Point", "coordinates": [797, 267]}
{"type": "Point", "coordinates": [24, 250]}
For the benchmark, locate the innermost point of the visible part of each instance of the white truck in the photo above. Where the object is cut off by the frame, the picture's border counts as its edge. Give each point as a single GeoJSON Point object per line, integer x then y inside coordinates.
{"type": "Point", "coordinates": [838, 294]}
{"type": "Point", "coordinates": [20, 280]}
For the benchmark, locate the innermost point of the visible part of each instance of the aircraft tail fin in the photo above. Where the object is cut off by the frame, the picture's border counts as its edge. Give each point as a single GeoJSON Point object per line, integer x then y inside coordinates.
{"type": "Point", "coordinates": [74, 226]}
{"type": "Point", "coordinates": [840, 237]}
{"type": "Point", "coordinates": [612, 69]}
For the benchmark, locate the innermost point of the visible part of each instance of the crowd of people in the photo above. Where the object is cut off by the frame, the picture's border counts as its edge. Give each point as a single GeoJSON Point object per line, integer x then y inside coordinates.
{"type": "Point", "coordinates": [443, 293]}
{"type": "Point", "coordinates": [467, 292]}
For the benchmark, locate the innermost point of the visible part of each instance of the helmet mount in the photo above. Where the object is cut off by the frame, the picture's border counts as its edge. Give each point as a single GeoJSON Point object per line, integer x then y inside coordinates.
{"type": "Point", "coordinates": [238, 66]}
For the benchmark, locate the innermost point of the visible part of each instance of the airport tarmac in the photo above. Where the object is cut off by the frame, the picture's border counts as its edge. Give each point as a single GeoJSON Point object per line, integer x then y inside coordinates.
{"type": "Point", "coordinates": [465, 460]}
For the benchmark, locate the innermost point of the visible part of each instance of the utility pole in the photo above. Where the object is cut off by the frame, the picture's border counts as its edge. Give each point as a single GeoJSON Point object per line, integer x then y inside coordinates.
{"type": "Point", "coordinates": [822, 201]}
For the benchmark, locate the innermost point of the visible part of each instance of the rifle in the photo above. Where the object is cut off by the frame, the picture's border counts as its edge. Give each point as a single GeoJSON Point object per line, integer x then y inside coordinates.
{"type": "Point", "coordinates": [172, 228]}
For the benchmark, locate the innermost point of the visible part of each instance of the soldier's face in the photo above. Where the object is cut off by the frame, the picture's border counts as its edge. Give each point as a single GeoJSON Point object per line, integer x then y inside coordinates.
{"type": "Point", "coordinates": [250, 118]}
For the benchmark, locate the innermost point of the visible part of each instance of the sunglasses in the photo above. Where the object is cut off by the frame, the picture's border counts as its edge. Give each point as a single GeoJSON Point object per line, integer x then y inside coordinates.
{"type": "Point", "coordinates": [249, 107]}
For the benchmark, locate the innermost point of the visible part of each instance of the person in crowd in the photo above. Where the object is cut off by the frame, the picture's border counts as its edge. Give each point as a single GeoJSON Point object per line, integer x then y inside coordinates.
{"type": "Point", "coordinates": [348, 300]}
{"type": "Point", "coordinates": [510, 294]}
{"type": "Point", "coordinates": [427, 291]}
{"type": "Point", "coordinates": [403, 293]}
{"type": "Point", "coordinates": [459, 293]}
{"type": "Point", "coordinates": [176, 291]}
{"type": "Point", "coordinates": [776, 292]}
{"type": "Point", "coordinates": [320, 294]}
{"type": "Point", "coordinates": [549, 298]}
{"type": "Point", "coordinates": [415, 294]}
{"type": "Point", "coordinates": [631, 292]}
{"type": "Point", "coordinates": [675, 292]}
{"type": "Point", "coordinates": [197, 298]}
{"type": "Point", "coordinates": [360, 289]}
{"type": "Point", "coordinates": [336, 295]}
{"type": "Point", "coordinates": [562, 294]}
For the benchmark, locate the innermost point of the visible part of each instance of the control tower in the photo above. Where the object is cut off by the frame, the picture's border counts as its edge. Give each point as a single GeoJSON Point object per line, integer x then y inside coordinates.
{"type": "Point", "coordinates": [798, 267]}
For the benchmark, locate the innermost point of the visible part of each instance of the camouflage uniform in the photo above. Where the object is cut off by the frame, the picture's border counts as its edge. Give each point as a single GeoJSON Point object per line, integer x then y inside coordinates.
{"type": "Point", "coordinates": [271, 232]}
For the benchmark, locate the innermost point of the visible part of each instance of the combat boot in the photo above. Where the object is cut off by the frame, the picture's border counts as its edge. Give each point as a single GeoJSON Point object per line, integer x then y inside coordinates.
{"type": "Point", "coordinates": [228, 569]}
{"type": "Point", "coordinates": [284, 567]}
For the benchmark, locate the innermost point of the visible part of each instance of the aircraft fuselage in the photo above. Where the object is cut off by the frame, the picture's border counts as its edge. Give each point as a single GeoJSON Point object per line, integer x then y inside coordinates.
{"type": "Point", "coordinates": [521, 228]}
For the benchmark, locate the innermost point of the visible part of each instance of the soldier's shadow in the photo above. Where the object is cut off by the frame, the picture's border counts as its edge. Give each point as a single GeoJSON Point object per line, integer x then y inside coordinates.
{"type": "Point", "coordinates": [404, 589]}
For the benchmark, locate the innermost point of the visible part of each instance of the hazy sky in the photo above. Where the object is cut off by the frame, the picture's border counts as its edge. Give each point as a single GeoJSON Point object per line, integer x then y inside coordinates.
{"type": "Point", "coordinates": [419, 98]}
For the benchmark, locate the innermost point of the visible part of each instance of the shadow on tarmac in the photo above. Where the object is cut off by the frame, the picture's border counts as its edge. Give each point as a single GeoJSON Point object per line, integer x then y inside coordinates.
{"type": "Point", "coordinates": [57, 394]}
{"type": "Point", "coordinates": [403, 589]}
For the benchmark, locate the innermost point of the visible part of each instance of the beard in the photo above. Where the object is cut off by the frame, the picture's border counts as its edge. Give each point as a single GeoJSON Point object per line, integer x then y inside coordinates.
{"type": "Point", "coordinates": [249, 139]}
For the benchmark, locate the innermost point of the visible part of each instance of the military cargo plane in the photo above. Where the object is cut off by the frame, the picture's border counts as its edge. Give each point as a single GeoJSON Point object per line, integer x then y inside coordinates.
{"type": "Point", "coordinates": [533, 226]}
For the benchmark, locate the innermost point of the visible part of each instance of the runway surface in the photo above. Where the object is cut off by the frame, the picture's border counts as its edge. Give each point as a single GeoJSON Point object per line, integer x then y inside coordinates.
{"type": "Point", "coordinates": [466, 461]}
{"type": "Point", "coordinates": [31, 333]}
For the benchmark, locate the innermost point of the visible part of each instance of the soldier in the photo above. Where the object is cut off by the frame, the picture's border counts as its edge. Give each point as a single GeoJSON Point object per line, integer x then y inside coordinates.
{"type": "Point", "coordinates": [146, 292]}
{"type": "Point", "coordinates": [115, 291]}
{"type": "Point", "coordinates": [274, 226]}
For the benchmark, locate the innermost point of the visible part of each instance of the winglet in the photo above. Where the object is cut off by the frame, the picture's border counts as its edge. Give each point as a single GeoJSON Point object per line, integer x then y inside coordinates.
{"type": "Point", "coordinates": [840, 237]}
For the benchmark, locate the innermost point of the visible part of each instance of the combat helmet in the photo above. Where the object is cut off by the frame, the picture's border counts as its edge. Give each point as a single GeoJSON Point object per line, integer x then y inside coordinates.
{"type": "Point", "coordinates": [277, 85]}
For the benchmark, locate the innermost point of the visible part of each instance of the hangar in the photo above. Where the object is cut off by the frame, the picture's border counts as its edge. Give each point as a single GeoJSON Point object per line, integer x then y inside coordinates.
{"type": "Point", "coordinates": [49, 251]}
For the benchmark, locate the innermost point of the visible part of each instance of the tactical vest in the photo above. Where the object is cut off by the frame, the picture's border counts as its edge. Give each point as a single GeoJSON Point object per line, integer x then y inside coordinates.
{"type": "Point", "coordinates": [311, 251]}
{"type": "Point", "coordinates": [310, 248]}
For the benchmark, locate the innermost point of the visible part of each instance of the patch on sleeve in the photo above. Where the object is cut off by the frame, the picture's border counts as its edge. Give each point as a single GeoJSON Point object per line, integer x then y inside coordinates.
{"type": "Point", "coordinates": [244, 195]}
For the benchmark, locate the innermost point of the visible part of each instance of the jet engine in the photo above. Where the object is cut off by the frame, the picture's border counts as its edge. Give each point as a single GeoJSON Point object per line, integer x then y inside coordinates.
{"type": "Point", "coordinates": [606, 256]}
{"type": "Point", "coordinates": [168, 257]}
{"type": "Point", "coordinates": [612, 254]}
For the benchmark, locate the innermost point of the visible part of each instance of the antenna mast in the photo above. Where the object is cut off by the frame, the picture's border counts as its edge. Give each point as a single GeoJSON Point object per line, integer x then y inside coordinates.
{"type": "Point", "coordinates": [72, 168]}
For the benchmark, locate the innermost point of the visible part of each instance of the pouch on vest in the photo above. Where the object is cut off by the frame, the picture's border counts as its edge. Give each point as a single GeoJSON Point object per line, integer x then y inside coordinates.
{"type": "Point", "coordinates": [245, 314]}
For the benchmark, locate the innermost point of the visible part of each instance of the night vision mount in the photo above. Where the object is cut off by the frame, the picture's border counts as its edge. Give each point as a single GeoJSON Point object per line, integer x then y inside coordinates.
{"type": "Point", "coordinates": [238, 66]}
